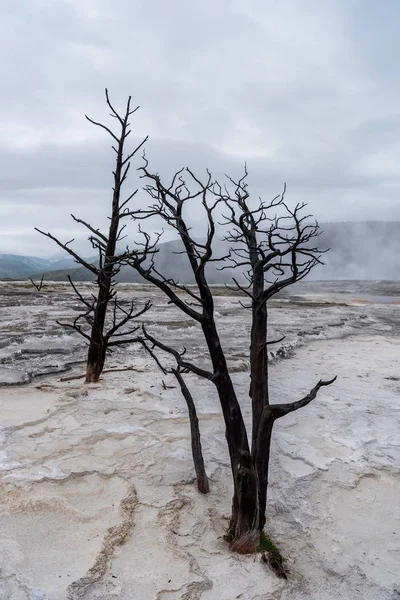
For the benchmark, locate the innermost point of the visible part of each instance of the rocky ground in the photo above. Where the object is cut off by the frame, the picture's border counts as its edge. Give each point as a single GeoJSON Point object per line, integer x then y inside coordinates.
{"type": "Point", "coordinates": [97, 493]}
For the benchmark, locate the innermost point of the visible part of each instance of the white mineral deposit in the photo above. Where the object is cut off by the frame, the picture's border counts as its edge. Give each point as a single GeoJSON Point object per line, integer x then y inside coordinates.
{"type": "Point", "coordinates": [97, 489]}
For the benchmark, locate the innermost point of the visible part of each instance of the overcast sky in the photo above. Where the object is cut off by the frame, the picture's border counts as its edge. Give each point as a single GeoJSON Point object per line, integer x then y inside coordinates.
{"type": "Point", "coordinates": [305, 91]}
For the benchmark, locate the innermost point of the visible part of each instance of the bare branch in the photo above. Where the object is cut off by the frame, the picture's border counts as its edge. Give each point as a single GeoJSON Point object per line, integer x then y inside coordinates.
{"type": "Point", "coordinates": [280, 410]}
{"type": "Point", "coordinates": [92, 229]}
{"type": "Point", "coordinates": [103, 127]}
{"type": "Point", "coordinates": [121, 342]}
{"type": "Point", "coordinates": [178, 357]}
{"type": "Point", "coordinates": [131, 154]}
{"type": "Point", "coordinates": [78, 259]}
{"type": "Point", "coordinates": [163, 285]}
{"type": "Point", "coordinates": [273, 342]}
{"type": "Point", "coordinates": [129, 316]}
{"type": "Point", "coordinates": [75, 327]}
{"type": "Point", "coordinates": [89, 305]}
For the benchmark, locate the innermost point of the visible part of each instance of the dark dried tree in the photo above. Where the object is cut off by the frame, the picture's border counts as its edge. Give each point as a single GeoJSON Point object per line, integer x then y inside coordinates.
{"type": "Point", "coordinates": [276, 251]}
{"type": "Point", "coordinates": [39, 285]}
{"type": "Point", "coordinates": [178, 371]}
{"type": "Point", "coordinates": [96, 308]}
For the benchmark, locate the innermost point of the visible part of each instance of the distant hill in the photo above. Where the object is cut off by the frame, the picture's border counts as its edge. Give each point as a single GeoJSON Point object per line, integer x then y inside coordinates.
{"type": "Point", "coordinates": [365, 250]}
{"type": "Point", "coordinates": [14, 266]}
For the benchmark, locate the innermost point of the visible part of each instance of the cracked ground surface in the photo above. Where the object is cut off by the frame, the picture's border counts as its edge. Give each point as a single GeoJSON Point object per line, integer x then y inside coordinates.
{"type": "Point", "coordinates": [97, 493]}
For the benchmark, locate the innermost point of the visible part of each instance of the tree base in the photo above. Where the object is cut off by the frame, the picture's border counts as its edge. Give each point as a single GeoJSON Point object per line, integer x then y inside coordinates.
{"type": "Point", "coordinates": [92, 380]}
{"type": "Point", "coordinates": [246, 543]}
{"type": "Point", "coordinates": [202, 484]}
{"type": "Point", "coordinates": [92, 375]}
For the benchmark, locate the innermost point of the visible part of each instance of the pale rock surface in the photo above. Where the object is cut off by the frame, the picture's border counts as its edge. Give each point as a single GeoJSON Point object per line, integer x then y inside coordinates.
{"type": "Point", "coordinates": [97, 493]}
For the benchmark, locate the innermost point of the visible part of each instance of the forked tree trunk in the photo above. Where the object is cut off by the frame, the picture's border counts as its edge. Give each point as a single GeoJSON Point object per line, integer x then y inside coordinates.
{"type": "Point", "coordinates": [250, 497]}
{"type": "Point", "coordinates": [249, 468]}
{"type": "Point", "coordinates": [276, 254]}
{"type": "Point", "coordinates": [254, 498]}
{"type": "Point", "coordinates": [243, 532]}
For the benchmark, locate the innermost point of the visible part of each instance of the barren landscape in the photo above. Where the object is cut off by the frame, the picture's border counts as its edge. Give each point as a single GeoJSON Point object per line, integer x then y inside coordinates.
{"type": "Point", "coordinates": [97, 488]}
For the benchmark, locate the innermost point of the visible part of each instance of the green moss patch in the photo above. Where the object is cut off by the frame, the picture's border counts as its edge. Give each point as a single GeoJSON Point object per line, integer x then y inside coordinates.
{"type": "Point", "coordinates": [266, 544]}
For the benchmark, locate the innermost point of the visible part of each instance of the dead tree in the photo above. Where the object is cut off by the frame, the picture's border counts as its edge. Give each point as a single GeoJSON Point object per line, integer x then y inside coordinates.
{"type": "Point", "coordinates": [274, 252]}
{"type": "Point", "coordinates": [283, 252]}
{"type": "Point", "coordinates": [181, 367]}
{"type": "Point", "coordinates": [96, 308]}
{"type": "Point", "coordinates": [39, 285]}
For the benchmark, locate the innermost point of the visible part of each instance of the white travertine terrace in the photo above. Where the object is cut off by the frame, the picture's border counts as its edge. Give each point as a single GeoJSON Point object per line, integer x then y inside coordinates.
{"type": "Point", "coordinates": [97, 493]}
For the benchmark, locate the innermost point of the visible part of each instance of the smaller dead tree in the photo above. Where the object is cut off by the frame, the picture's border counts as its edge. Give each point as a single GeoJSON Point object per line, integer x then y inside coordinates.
{"type": "Point", "coordinates": [96, 307]}
{"type": "Point", "coordinates": [39, 285]}
{"type": "Point", "coordinates": [178, 371]}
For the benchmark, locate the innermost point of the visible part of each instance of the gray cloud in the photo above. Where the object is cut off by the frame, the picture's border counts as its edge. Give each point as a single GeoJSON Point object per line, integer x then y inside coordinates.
{"type": "Point", "coordinates": [304, 91]}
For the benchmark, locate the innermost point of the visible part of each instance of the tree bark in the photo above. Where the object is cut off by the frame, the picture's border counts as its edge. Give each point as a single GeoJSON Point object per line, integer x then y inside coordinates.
{"type": "Point", "coordinates": [98, 342]}
{"type": "Point", "coordinates": [261, 461]}
{"type": "Point", "coordinates": [97, 345]}
{"type": "Point", "coordinates": [258, 367]}
{"type": "Point", "coordinates": [243, 528]}
{"type": "Point", "coordinates": [197, 453]}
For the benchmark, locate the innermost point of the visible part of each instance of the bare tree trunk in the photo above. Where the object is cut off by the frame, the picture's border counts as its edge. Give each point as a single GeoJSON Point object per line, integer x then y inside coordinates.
{"type": "Point", "coordinates": [261, 433]}
{"type": "Point", "coordinates": [258, 366]}
{"type": "Point", "coordinates": [243, 528]}
{"type": "Point", "coordinates": [97, 345]}
{"type": "Point", "coordinates": [261, 462]}
{"type": "Point", "coordinates": [197, 453]}
{"type": "Point", "coordinates": [95, 361]}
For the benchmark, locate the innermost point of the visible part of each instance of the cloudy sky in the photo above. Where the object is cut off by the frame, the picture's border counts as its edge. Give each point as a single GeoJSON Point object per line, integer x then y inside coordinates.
{"type": "Point", "coordinates": [305, 91]}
